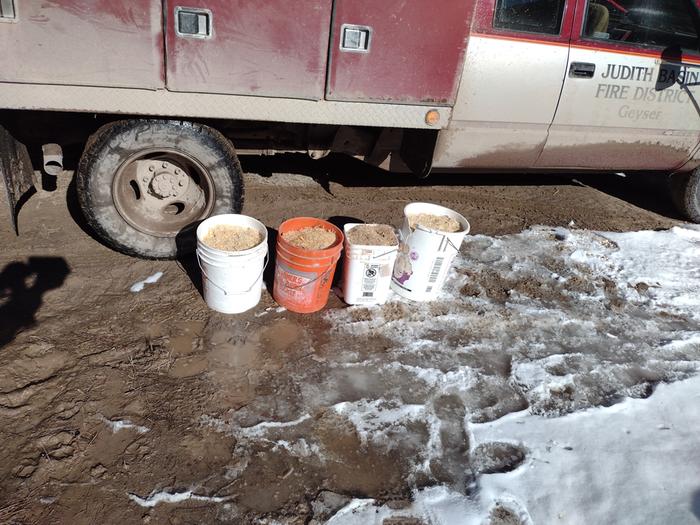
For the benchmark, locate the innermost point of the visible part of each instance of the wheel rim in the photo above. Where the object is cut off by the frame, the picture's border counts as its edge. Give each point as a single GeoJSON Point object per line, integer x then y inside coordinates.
{"type": "Point", "coordinates": [160, 191]}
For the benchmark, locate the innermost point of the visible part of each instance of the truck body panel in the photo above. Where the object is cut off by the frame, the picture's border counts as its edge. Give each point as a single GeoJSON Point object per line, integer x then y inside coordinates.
{"type": "Point", "coordinates": [494, 77]}
{"type": "Point", "coordinates": [272, 49]}
{"type": "Point", "coordinates": [414, 56]}
{"type": "Point", "coordinates": [633, 113]}
{"type": "Point", "coordinates": [84, 42]}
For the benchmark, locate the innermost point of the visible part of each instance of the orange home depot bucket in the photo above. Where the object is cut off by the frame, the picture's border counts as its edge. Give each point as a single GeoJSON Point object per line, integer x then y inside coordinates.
{"type": "Point", "coordinates": [303, 277]}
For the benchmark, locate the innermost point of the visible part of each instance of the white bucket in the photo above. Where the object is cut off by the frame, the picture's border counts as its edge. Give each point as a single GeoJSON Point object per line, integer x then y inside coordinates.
{"type": "Point", "coordinates": [367, 271]}
{"type": "Point", "coordinates": [425, 256]}
{"type": "Point", "coordinates": [232, 281]}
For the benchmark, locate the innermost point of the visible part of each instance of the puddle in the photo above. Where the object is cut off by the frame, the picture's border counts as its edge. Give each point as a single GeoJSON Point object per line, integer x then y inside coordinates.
{"type": "Point", "coordinates": [227, 356]}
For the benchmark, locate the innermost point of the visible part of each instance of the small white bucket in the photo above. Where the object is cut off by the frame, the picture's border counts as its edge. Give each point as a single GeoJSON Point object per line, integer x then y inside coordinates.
{"type": "Point", "coordinates": [232, 281]}
{"type": "Point", "coordinates": [367, 271]}
{"type": "Point", "coordinates": [425, 256]}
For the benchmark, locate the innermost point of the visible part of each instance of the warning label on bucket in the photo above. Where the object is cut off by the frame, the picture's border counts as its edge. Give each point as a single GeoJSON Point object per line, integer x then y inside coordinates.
{"type": "Point", "coordinates": [369, 279]}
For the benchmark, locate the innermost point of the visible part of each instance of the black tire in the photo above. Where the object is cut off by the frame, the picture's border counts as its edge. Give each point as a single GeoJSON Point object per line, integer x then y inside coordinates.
{"type": "Point", "coordinates": [109, 149]}
{"type": "Point", "coordinates": [685, 190]}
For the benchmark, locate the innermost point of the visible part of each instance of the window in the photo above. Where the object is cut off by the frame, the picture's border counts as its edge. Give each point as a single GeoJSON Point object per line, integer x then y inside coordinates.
{"type": "Point", "coordinates": [663, 23]}
{"type": "Point", "coordinates": [532, 16]}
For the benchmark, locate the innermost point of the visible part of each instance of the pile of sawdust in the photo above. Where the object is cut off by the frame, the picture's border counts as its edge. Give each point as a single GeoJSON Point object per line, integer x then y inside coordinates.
{"type": "Point", "coordinates": [373, 235]}
{"type": "Point", "coordinates": [313, 238]}
{"type": "Point", "coordinates": [232, 238]}
{"type": "Point", "coordinates": [441, 223]}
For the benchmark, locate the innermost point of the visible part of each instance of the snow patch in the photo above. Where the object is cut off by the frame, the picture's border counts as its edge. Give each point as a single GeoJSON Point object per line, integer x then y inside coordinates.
{"type": "Point", "coordinates": [122, 424]}
{"type": "Point", "coordinates": [630, 463]}
{"type": "Point", "coordinates": [174, 497]}
{"type": "Point", "coordinates": [138, 286]}
{"type": "Point", "coordinates": [260, 428]}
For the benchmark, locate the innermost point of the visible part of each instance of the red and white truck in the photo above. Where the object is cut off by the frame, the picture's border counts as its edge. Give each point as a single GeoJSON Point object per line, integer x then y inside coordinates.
{"type": "Point", "coordinates": [411, 86]}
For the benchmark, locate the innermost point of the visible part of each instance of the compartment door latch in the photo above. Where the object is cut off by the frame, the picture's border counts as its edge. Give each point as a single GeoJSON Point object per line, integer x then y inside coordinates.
{"type": "Point", "coordinates": [192, 22]}
{"type": "Point", "coordinates": [7, 10]}
{"type": "Point", "coordinates": [355, 39]}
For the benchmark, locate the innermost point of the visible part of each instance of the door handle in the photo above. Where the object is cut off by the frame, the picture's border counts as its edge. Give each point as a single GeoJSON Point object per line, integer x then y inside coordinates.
{"type": "Point", "coordinates": [581, 70]}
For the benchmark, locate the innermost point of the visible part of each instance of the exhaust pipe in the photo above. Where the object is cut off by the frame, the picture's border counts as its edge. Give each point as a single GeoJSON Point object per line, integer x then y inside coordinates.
{"type": "Point", "coordinates": [53, 158]}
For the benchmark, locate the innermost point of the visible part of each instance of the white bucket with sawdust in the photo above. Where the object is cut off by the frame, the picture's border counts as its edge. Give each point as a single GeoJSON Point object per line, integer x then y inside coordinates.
{"type": "Point", "coordinates": [366, 271]}
{"type": "Point", "coordinates": [426, 255]}
{"type": "Point", "coordinates": [232, 280]}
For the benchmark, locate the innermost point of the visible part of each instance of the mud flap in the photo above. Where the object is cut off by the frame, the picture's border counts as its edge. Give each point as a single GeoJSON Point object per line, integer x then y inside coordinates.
{"type": "Point", "coordinates": [17, 172]}
{"type": "Point", "coordinates": [417, 149]}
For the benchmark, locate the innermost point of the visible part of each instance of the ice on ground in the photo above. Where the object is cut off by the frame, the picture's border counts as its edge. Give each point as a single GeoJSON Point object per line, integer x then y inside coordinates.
{"type": "Point", "coordinates": [121, 424]}
{"type": "Point", "coordinates": [138, 286]}
{"type": "Point", "coordinates": [174, 497]}
{"type": "Point", "coordinates": [564, 320]}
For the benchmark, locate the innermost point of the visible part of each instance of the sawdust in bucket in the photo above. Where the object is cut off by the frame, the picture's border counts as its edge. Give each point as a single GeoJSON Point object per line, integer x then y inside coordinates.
{"type": "Point", "coordinates": [373, 235]}
{"type": "Point", "coordinates": [311, 238]}
{"type": "Point", "coordinates": [441, 223]}
{"type": "Point", "coordinates": [229, 238]}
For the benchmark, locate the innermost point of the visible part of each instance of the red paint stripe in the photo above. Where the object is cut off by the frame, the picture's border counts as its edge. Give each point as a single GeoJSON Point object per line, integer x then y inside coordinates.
{"type": "Point", "coordinates": [583, 45]}
{"type": "Point", "coordinates": [526, 39]}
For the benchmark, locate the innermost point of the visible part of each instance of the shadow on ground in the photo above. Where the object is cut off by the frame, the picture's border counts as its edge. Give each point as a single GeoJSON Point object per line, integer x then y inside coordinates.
{"type": "Point", "coordinates": [22, 286]}
{"type": "Point", "coordinates": [645, 190]}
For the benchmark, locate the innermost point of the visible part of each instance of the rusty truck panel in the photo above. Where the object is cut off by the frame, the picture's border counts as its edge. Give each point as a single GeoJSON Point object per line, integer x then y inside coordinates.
{"type": "Point", "coordinates": [398, 51]}
{"type": "Point", "coordinates": [274, 48]}
{"type": "Point", "coordinates": [84, 42]}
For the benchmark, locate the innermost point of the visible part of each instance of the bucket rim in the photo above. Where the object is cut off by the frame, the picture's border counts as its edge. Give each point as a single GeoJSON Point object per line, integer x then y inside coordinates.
{"type": "Point", "coordinates": [298, 223]}
{"type": "Point", "coordinates": [466, 226]}
{"type": "Point", "coordinates": [241, 253]}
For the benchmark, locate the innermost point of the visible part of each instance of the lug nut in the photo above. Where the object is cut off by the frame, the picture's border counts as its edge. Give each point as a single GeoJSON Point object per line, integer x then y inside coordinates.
{"type": "Point", "coordinates": [181, 183]}
{"type": "Point", "coordinates": [165, 164]}
{"type": "Point", "coordinates": [145, 179]}
{"type": "Point", "coordinates": [151, 168]}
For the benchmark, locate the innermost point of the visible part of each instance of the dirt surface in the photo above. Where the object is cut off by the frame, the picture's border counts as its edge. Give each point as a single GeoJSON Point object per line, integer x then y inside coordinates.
{"type": "Point", "coordinates": [111, 401]}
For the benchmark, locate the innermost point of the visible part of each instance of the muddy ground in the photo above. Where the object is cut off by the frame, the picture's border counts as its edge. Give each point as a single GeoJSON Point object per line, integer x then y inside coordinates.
{"type": "Point", "coordinates": [109, 398]}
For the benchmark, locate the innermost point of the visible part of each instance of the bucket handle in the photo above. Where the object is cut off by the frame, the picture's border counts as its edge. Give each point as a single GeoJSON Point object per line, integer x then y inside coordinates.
{"type": "Point", "coordinates": [310, 281]}
{"type": "Point", "coordinates": [444, 238]}
{"type": "Point", "coordinates": [267, 260]}
{"type": "Point", "coordinates": [386, 253]}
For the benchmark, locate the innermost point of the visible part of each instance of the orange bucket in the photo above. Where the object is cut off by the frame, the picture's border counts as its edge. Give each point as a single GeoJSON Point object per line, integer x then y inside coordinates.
{"type": "Point", "coordinates": [303, 277]}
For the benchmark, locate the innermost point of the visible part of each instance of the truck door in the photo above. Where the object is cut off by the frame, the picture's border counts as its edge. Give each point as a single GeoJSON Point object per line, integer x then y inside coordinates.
{"type": "Point", "coordinates": [628, 100]}
{"type": "Point", "coordinates": [275, 48]}
{"type": "Point", "coordinates": [513, 76]}
{"type": "Point", "coordinates": [83, 42]}
{"type": "Point", "coordinates": [397, 50]}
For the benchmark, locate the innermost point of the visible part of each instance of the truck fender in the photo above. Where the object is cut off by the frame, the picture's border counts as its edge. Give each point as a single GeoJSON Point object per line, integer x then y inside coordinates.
{"type": "Point", "coordinates": [17, 172]}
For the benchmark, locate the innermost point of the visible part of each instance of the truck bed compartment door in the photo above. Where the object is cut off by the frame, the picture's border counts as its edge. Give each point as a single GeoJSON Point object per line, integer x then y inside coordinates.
{"type": "Point", "coordinates": [397, 50]}
{"type": "Point", "coordinates": [275, 48]}
{"type": "Point", "coordinates": [82, 42]}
